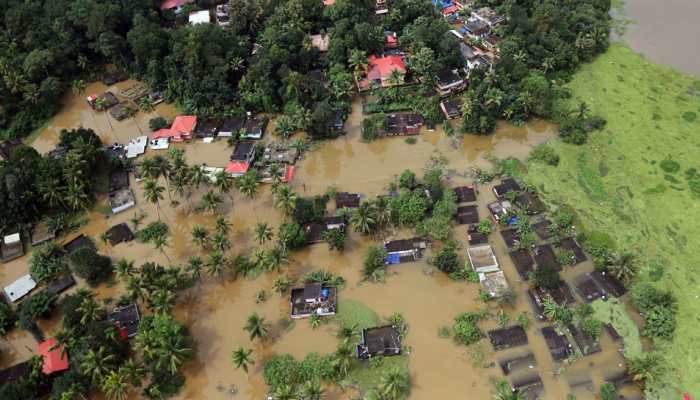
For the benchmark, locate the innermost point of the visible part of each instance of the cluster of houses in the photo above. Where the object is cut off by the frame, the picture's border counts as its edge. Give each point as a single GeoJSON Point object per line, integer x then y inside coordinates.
{"type": "Point", "coordinates": [123, 104]}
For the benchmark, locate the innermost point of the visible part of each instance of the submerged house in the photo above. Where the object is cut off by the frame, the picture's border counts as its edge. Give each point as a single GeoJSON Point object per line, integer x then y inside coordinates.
{"type": "Point", "coordinates": [505, 338]}
{"type": "Point", "coordinates": [500, 209]}
{"type": "Point", "coordinates": [182, 129]}
{"type": "Point", "coordinates": [241, 159]}
{"type": "Point", "coordinates": [476, 29]}
{"type": "Point", "coordinates": [380, 70]}
{"type": "Point", "coordinates": [494, 283]}
{"type": "Point", "coordinates": [313, 298]}
{"type": "Point", "coordinates": [451, 108]}
{"type": "Point", "coordinates": [467, 215]}
{"type": "Point", "coordinates": [19, 288]}
{"type": "Point", "coordinates": [483, 259]}
{"type": "Point", "coordinates": [488, 16]}
{"type": "Point", "coordinates": [347, 200]}
{"type": "Point", "coordinates": [42, 233]}
{"type": "Point", "coordinates": [102, 102]}
{"type": "Point", "coordinates": [403, 124]}
{"type": "Point", "coordinates": [379, 341]}
{"type": "Point", "coordinates": [121, 200]}
{"type": "Point", "coordinates": [254, 128]}
{"type": "Point", "coordinates": [120, 233]}
{"type": "Point", "coordinates": [11, 247]}
{"type": "Point", "coordinates": [404, 250]}
{"type": "Point", "coordinates": [465, 194]}
{"type": "Point", "coordinates": [506, 185]}
{"type": "Point", "coordinates": [126, 319]}
{"type": "Point", "coordinates": [314, 230]}
{"type": "Point", "coordinates": [206, 128]}
{"type": "Point", "coordinates": [559, 346]}
{"type": "Point", "coordinates": [230, 127]}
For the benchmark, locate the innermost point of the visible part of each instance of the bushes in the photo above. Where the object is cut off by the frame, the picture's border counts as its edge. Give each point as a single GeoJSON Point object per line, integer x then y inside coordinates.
{"type": "Point", "coordinates": [291, 236]}
{"type": "Point", "coordinates": [8, 318]}
{"type": "Point", "coordinates": [284, 370]}
{"type": "Point", "coordinates": [545, 277]}
{"type": "Point", "coordinates": [466, 330]}
{"type": "Point", "coordinates": [158, 123]}
{"type": "Point", "coordinates": [38, 306]}
{"type": "Point", "coordinates": [374, 267]}
{"type": "Point", "coordinates": [323, 277]}
{"type": "Point", "coordinates": [545, 154]}
{"type": "Point", "coordinates": [335, 238]}
{"type": "Point", "coordinates": [91, 266]}
{"type": "Point", "coordinates": [155, 229]}
{"type": "Point", "coordinates": [47, 263]}
{"type": "Point", "coordinates": [446, 260]}
{"type": "Point", "coordinates": [658, 308]}
{"type": "Point", "coordinates": [309, 210]}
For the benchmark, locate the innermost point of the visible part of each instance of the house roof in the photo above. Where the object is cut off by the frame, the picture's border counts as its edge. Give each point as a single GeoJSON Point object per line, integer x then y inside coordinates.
{"type": "Point", "coordinates": [200, 17]}
{"type": "Point", "coordinates": [236, 167]}
{"type": "Point", "coordinates": [54, 360]}
{"type": "Point", "coordinates": [19, 288]}
{"type": "Point", "coordinates": [321, 42]}
{"type": "Point", "coordinates": [450, 10]}
{"type": "Point", "coordinates": [382, 67]}
{"type": "Point", "coordinates": [165, 133]}
{"type": "Point", "coordinates": [328, 2]}
{"type": "Point", "coordinates": [391, 38]}
{"type": "Point", "coordinates": [312, 291]}
{"type": "Point", "coordinates": [119, 233]}
{"type": "Point", "coordinates": [126, 318]}
{"type": "Point", "coordinates": [242, 151]}
{"type": "Point", "coordinates": [467, 51]}
{"type": "Point", "coordinates": [184, 123]}
{"type": "Point", "coordinates": [170, 4]}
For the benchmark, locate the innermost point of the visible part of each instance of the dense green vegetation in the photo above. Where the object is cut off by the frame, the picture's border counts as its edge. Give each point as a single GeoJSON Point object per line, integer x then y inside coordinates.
{"type": "Point", "coordinates": [633, 188]}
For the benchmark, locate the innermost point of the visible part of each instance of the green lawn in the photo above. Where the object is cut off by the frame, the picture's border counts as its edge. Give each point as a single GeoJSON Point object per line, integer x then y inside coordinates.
{"type": "Point", "coordinates": [638, 180]}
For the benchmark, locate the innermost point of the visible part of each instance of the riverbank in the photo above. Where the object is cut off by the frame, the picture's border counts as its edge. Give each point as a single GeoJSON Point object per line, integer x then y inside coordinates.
{"type": "Point", "coordinates": [618, 186]}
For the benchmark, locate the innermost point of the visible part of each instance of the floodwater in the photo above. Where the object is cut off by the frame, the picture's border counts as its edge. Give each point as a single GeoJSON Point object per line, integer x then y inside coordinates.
{"type": "Point", "coordinates": [216, 309]}
{"type": "Point", "coordinates": [666, 32]}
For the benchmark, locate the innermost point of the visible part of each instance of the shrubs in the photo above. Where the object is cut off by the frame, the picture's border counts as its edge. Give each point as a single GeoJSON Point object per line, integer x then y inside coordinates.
{"type": "Point", "coordinates": [155, 229]}
{"type": "Point", "coordinates": [335, 239]}
{"type": "Point", "coordinates": [658, 308]}
{"type": "Point", "coordinates": [38, 306]}
{"type": "Point", "coordinates": [158, 123]}
{"type": "Point", "coordinates": [574, 128]}
{"type": "Point", "coordinates": [291, 236]}
{"type": "Point", "coordinates": [545, 154]}
{"type": "Point", "coordinates": [446, 260]}
{"type": "Point", "coordinates": [285, 371]}
{"type": "Point", "coordinates": [47, 263]}
{"type": "Point", "coordinates": [466, 330]}
{"type": "Point", "coordinates": [545, 277]}
{"type": "Point", "coordinates": [324, 277]}
{"type": "Point", "coordinates": [8, 318]}
{"type": "Point", "coordinates": [374, 267]}
{"type": "Point", "coordinates": [91, 266]}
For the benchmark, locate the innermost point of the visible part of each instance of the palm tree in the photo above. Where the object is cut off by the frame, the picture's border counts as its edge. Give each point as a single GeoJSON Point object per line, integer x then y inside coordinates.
{"type": "Point", "coordinates": [646, 368]}
{"type": "Point", "coordinates": [216, 262]}
{"type": "Point", "coordinates": [312, 390]}
{"type": "Point", "coordinates": [198, 177]}
{"type": "Point", "coordinates": [364, 219]}
{"type": "Point", "coordinates": [505, 392]}
{"type": "Point", "coordinates": [133, 371]}
{"type": "Point", "coordinates": [146, 104]}
{"type": "Point", "coordinates": [284, 392]}
{"type": "Point", "coordinates": [382, 212]}
{"type": "Point", "coordinates": [163, 301]}
{"type": "Point", "coordinates": [275, 258]}
{"type": "Point", "coordinates": [90, 311]}
{"type": "Point", "coordinates": [224, 184]}
{"type": "Point", "coordinates": [395, 78]}
{"type": "Point", "coordinates": [96, 364]}
{"type": "Point", "coordinates": [294, 82]}
{"type": "Point", "coordinates": [195, 265]}
{"type": "Point", "coordinates": [241, 358]}
{"type": "Point", "coordinates": [222, 226]}
{"type": "Point", "coordinates": [263, 232]}
{"type": "Point", "coordinates": [358, 62]}
{"type": "Point", "coordinates": [286, 200]}
{"type": "Point", "coordinates": [221, 242]}
{"type": "Point", "coordinates": [342, 358]}
{"type": "Point", "coordinates": [256, 326]}
{"type": "Point", "coordinates": [200, 236]}
{"type": "Point", "coordinates": [395, 384]}
{"type": "Point", "coordinates": [623, 267]}
{"type": "Point", "coordinates": [160, 242]}
{"type": "Point", "coordinates": [210, 202]}
{"type": "Point", "coordinates": [347, 332]}
{"type": "Point", "coordinates": [115, 385]}
{"type": "Point", "coordinates": [74, 195]}
{"type": "Point", "coordinates": [52, 192]}
{"type": "Point", "coordinates": [125, 268]}
{"type": "Point", "coordinates": [248, 184]}
{"type": "Point", "coordinates": [153, 193]}
{"type": "Point", "coordinates": [284, 126]}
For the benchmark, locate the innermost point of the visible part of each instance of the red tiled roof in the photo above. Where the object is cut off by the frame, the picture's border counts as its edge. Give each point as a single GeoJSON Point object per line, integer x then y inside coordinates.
{"type": "Point", "coordinates": [164, 133]}
{"type": "Point", "coordinates": [289, 173]}
{"type": "Point", "coordinates": [381, 67]}
{"type": "Point", "coordinates": [168, 4]}
{"type": "Point", "coordinates": [54, 361]}
{"type": "Point", "coordinates": [391, 38]}
{"type": "Point", "coordinates": [184, 124]}
{"type": "Point", "coordinates": [237, 167]}
{"type": "Point", "coordinates": [450, 10]}
{"type": "Point", "coordinates": [328, 2]}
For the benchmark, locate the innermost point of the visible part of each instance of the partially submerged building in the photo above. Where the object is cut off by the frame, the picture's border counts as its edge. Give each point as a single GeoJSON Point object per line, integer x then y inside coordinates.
{"type": "Point", "coordinates": [510, 237]}
{"type": "Point", "coordinates": [314, 230]}
{"type": "Point", "coordinates": [313, 298]}
{"type": "Point", "coordinates": [118, 179]}
{"type": "Point", "coordinates": [61, 285]}
{"type": "Point", "coordinates": [483, 259]}
{"type": "Point", "coordinates": [561, 295]}
{"type": "Point", "coordinates": [122, 111]}
{"type": "Point", "coordinates": [451, 108]}
{"type": "Point", "coordinates": [381, 72]}
{"type": "Point", "coordinates": [523, 262]}
{"type": "Point", "coordinates": [182, 129]}
{"type": "Point", "coordinates": [121, 200]}
{"type": "Point", "coordinates": [126, 319]}
{"type": "Point", "coordinates": [19, 288]}
{"type": "Point", "coordinates": [530, 202]}
{"type": "Point", "coordinates": [506, 185]}
{"type": "Point", "coordinates": [541, 227]}
{"type": "Point", "coordinates": [42, 233]}
{"type": "Point", "coordinates": [78, 242]}
{"type": "Point", "coordinates": [585, 343]}
{"type": "Point", "coordinates": [449, 82]}
{"type": "Point", "coordinates": [544, 256]}
{"type": "Point", "coordinates": [505, 338]}
{"type": "Point", "coordinates": [572, 245]}
{"type": "Point", "coordinates": [467, 215]}
{"type": "Point", "coordinates": [494, 283]}
{"type": "Point", "coordinates": [517, 363]}
{"type": "Point", "coordinates": [500, 209]}
{"type": "Point", "coordinates": [465, 194]}
{"type": "Point", "coordinates": [136, 147]}
{"type": "Point", "coordinates": [254, 128]}
{"type": "Point", "coordinates": [609, 283]}
{"type": "Point", "coordinates": [529, 386]}
{"type": "Point", "coordinates": [403, 124]}
{"type": "Point", "coordinates": [12, 247]}
{"type": "Point", "coordinates": [280, 154]}
{"type": "Point", "coordinates": [102, 102]}
{"type": "Point", "coordinates": [404, 250]}
{"type": "Point", "coordinates": [242, 158]}
{"type": "Point", "coordinates": [379, 341]}
{"type": "Point", "coordinates": [207, 128]}
{"type": "Point", "coordinates": [559, 346]}
{"type": "Point", "coordinates": [120, 233]}
{"type": "Point", "coordinates": [588, 288]}
{"type": "Point", "coordinates": [347, 200]}
{"type": "Point", "coordinates": [54, 357]}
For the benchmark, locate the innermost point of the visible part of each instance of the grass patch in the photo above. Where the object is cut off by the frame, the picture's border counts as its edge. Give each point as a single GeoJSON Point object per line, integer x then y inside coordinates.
{"type": "Point", "coordinates": [367, 375]}
{"type": "Point", "coordinates": [352, 312]}
{"type": "Point", "coordinates": [638, 221]}
{"type": "Point", "coordinates": [613, 312]}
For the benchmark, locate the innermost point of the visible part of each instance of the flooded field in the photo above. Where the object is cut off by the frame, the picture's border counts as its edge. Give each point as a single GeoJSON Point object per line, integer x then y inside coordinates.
{"type": "Point", "coordinates": [664, 33]}
{"type": "Point", "coordinates": [216, 309]}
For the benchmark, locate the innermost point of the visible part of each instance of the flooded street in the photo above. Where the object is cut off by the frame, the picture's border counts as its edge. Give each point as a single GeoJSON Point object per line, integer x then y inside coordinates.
{"type": "Point", "coordinates": [215, 310]}
{"type": "Point", "coordinates": [662, 31]}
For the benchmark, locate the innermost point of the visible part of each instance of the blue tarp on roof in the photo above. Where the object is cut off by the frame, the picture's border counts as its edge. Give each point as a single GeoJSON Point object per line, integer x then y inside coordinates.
{"type": "Point", "coordinates": [442, 3]}
{"type": "Point", "coordinates": [392, 258]}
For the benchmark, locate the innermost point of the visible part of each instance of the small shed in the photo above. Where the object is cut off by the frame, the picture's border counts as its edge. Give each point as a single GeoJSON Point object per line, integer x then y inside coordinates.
{"type": "Point", "coordinates": [530, 386]}
{"type": "Point", "coordinates": [121, 200]}
{"type": "Point", "coordinates": [379, 341]}
{"type": "Point", "coordinates": [476, 238]}
{"type": "Point", "coordinates": [573, 246]}
{"type": "Point", "coordinates": [483, 259]}
{"type": "Point", "coordinates": [118, 179]}
{"type": "Point", "coordinates": [506, 185]}
{"type": "Point", "coordinates": [127, 319]}
{"type": "Point", "coordinates": [544, 255]}
{"type": "Point", "coordinates": [120, 233]}
{"type": "Point", "coordinates": [505, 338]}
{"type": "Point", "coordinates": [465, 194]}
{"type": "Point", "coordinates": [467, 215]}
{"type": "Point", "coordinates": [523, 262]}
{"type": "Point", "coordinates": [559, 346]}
{"type": "Point", "coordinates": [347, 200]}
{"type": "Point", "coordinates": [494, 283]}
{"type": "Point", "coordinates": [12, 247]}
{"type": "Point", "coordinates": [54, 357]}
{"type": "Point", "coordinates": [19, 288]}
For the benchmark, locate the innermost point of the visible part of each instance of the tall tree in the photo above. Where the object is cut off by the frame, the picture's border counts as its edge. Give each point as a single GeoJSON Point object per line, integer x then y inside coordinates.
{"type": "Point", "coordinates": [241, 358]}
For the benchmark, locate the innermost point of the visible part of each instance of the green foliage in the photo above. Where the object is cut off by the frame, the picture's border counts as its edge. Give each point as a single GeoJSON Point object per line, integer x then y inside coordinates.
{"type": "Point", "coordinates": [152, 231]}
{"type": "Point", "coordinates": [545, 277]}
{"type": "Point", "coordinates": [591, 327]}
{"type": "Point", "coordinates": [409, 207]}
{"type": "Point", "coordinates": [523, 320]}
{"type": "Point", "coordinates": [659, 309]}
{"type": "Point", "coordinates": [335, 238]}
{"type": "Point", "coordinates": [282, 283]}
{"type": "Point", "coordinates": [438, 224]}
{"type": "Point", "coordinates": [47, 263]}
{"type": "Point", "coordinates": [8, 318]}
{"type": "Point", "coordinates": [484, 227]}
{"type": "Point", "coordinates": [284, 370]}
{"type": "Point", "coordinates": [158, 123]}
{"type": "Point", "coordinates": [91, 266]}
{"type": "Point", "coordinates": [647, 368]}
{"type": "Point", "coordinates": [166, 343]}
{"type": "Point", "coordinates": [466, 331]}
{"type": "Point", "coordinates": [544, 154]}
{"type": "Point", "coordinates": [324, 277]}
{"type": "Point", "coordinates": [407, 180]}
{"type": "Point", "coordinates": [310, 209]}
{"type": "Point", "coordinates": [670, 166]}
{"type": "Point", "coordinates": [446, 259]}
{"type": "Point", "coordinates": [373, 127]}
{"type": "Point", "coordinates": [374, 267]}
{"type": "Point", "coordinates": [39, 305]}
{"type": "Point", "coordinates": [607, 391]}
{"type": "Point", "coordinates": [291, 236]}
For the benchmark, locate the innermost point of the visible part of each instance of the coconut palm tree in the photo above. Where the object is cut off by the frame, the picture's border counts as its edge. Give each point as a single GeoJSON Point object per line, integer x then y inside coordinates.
{"type": "Point", "coordinates": [146, 104]}
{"type": "Point", "coordinates": [275, 258]}
{"type": "Point", "coordinates": [148, 168]}
{"type": "Point", "coordinates": [133, 371]}
{"type": "Point", "coordinates": [216, 262]}
{"type": "Point", "coordinates": [124, 268]}
{"type": "Point", "coordinates": [224, 184]}
{"type": "Point", "coordinates": [52, 192]}
{"type": "Point", "coordinates": [358, 62]}
{"type": "Point", "coordinates": [256, 326]}
{"type": "Point", "coordinates": [263, 232]}
{"type": "Point", "coordinates": [198, 177]}
{"type": "Point", "coordinates": [210, 202]}
{"type": "Point", "coordinates": [248, 184]}
{"type": "Point", "coordinates": [286, 200]}
{"type": "Point", "coordinates": [342, 358]}
{"type": "Point", "coordinates": [284, 392]}
{"type": "Point", "coordinates": [153, 193]}
{"type": "Point", "coordinates": [96, 364]}
{"type": "Point", "coordinates": [382, 212]}
{"type": "Point", "coordinates": [623, 267]}
{"type": "Point", "coordinates": [74, 194]}
{"type": "Point", "coordinates": [241, 358]}
{"type": "Point", "coordinates": [195, 266]}
{"type": "Point", "coordinates": [200, 236]}
{"type": "Point", "coordinates": [90, 311]}
{"type": "Point", "coordinates": [220, 242]}
{"type": "Point", "coordinates": [222, 225]}
{"type": "Point", "coordinates": [312, 390]}
{"type": "Point", "coordinates": [160, 242]}
{"type": "Point", "coordinates": [173, 354]}
{"type": "Point", "coordinates": [395, 384]}
{"type": "Point", "coordinates": [364, 219]}
{"type": "Point", "coordinates": [115, 385]}
{"type": "Point", "coordinates": [294, 83]}
{"type": "Point", "coordinates": [163, 301]}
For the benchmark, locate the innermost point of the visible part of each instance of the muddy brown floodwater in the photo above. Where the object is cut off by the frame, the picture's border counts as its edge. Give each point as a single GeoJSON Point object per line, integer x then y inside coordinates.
{"type": "Point", "coordinates": [216, 309]}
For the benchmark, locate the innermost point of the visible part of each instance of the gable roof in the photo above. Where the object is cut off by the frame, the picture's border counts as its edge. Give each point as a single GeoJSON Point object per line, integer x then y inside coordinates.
{"type": "Point", "coordinates": [184, 123]}
{"type": "Point", "coordinates": [170, 4]}
{"type": "Point", "coordinates": [54, 360]}
{"type": "Point", "coordinates": [382, 67]}
{"type": "Point", "coordinates": [237, 167]}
